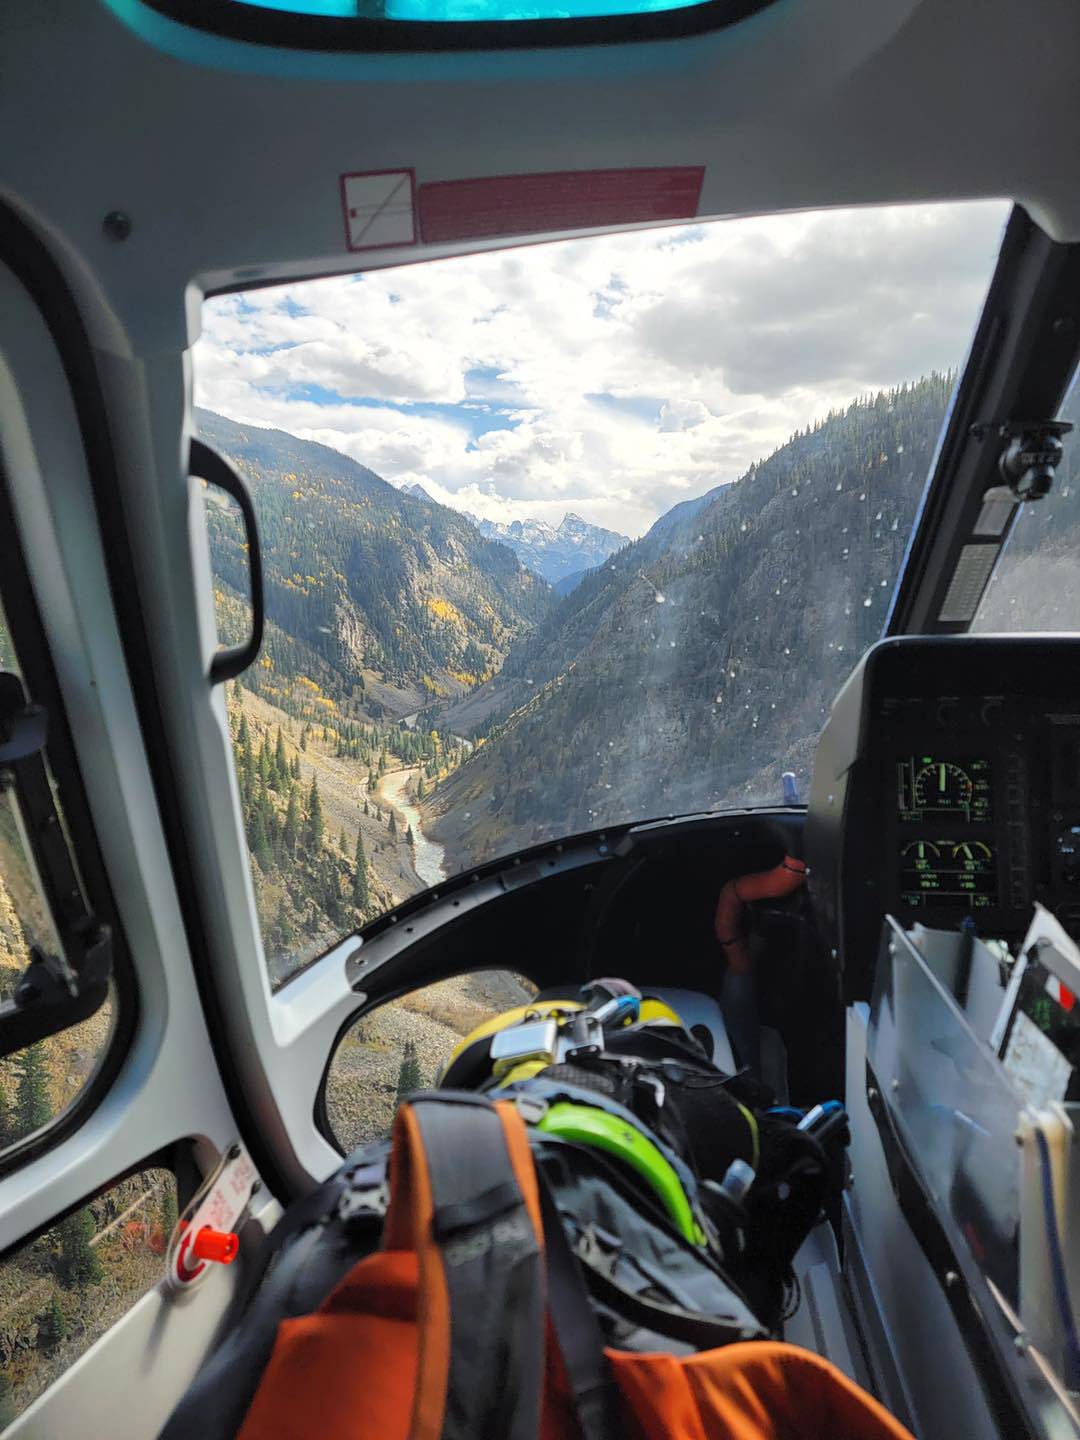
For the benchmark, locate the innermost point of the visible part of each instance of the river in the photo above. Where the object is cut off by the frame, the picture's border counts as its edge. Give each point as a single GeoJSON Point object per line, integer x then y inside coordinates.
{"type": "Point", "coordinates": [428, 855]}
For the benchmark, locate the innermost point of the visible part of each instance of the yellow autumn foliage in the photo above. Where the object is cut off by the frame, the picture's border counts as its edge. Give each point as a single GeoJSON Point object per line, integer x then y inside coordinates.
{"type": "Point", "coordinates": [444, 610]}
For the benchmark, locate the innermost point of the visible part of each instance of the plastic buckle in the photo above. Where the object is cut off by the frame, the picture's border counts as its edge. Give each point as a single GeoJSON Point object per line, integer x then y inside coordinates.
{"type": "Point", "coordinates": [364, 1201]}
{"type": "Point", "coordinates": [531, 1108]}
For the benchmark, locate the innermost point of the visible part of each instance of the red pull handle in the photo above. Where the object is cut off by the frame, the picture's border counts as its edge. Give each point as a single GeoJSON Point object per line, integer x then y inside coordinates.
{"type": "Point", "coordinates": [221, 1246]}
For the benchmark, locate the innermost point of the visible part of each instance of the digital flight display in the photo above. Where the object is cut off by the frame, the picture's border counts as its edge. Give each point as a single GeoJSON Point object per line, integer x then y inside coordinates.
{"type": "Point", "coordinates": [931, 787]}
{"type": "Point", "coordinates": [948, 872]}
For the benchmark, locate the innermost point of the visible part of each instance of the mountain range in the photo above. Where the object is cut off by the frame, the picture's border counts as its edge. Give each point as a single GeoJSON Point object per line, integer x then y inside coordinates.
{"type": "Point", "coordinates": [696, 664]}
{"type": "Point", "coordinates": [684, 671]}
{"type": "Point", "coordinates": [562, 554]}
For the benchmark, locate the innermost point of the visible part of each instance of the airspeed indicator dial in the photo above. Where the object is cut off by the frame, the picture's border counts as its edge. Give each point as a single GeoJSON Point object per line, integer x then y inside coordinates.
{"type": "Point", "coordinates": [941, 786]}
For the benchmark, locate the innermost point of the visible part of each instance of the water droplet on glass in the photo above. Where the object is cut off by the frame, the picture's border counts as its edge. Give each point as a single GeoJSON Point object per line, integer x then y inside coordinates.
{"type": "Point", "coordinates": [839, 486]}
{"type": "Point", "coordinates": [862, 496]}
{"type": "Point", "coordinates": [878, 515]}
{"type": "Point", "coordinates": [884, 584]}
{"type": "Point", "coordinates": [673, 644]}
{"type": "Point", "coordinates": [794, 490]}
{"type": "Point", "coordinates": [894, 524]}
{"type": "Point", "coordinates": [899, 449]}
{"type": "Point", "coordinates": [719, 699]}
{"type": "Point", "coordinates": [867, 603]}
{"type": "Point", "coordinates": [659, 598]}
{"type": "Point", "coordinates": [744, 527]}
{"type": "Point", "coordinates": [786, 650]}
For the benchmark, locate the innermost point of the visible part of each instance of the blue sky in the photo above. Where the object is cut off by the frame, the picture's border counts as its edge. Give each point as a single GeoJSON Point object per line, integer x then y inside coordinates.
{"type": "Point", "coordinates": [614, 376]}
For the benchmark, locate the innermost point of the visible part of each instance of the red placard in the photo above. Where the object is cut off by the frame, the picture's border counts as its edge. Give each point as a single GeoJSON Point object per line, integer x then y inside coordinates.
{"type": "Point", "coordinates": [452, 210]}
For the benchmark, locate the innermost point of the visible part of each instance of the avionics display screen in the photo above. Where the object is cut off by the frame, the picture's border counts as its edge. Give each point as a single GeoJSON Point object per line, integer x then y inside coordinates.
{"type": "Point", "coordinates": [954, 872]}
{"type": "Point", "coordinates": [927, 785]}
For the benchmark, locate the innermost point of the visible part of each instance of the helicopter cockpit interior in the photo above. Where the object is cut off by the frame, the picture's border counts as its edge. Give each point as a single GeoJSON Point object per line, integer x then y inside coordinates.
{"type": "Point", "coordinates": [330, 730]}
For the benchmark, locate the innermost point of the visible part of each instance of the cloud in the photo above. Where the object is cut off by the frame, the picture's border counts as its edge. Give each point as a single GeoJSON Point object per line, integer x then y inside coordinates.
{"type": "Point", "coordinates": [682, 414]}
{"type": "Point", "coordinates": [613, 376]}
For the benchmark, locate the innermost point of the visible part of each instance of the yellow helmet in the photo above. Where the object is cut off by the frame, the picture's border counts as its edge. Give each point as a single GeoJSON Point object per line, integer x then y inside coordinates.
{"type": "Point", "coordinates": [470, 1065]}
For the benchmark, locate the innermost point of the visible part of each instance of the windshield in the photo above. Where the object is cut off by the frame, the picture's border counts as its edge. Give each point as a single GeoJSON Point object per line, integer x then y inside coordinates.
{"type": "Point", "coordinates": [1036, 585]}
{"type": "Point", "coordinates": [566, 536]}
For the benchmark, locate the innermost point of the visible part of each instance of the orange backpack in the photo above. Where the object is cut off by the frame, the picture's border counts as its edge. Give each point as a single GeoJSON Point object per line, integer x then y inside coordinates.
{"type": "Point", "coordinates": [473, 1323]}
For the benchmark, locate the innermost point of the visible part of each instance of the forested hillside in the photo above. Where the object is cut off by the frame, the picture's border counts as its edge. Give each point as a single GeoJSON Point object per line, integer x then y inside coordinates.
{"type": "Point", "coordinates": [379, 606]}
{"type": "Point", "coordinates": [698, 663]}
{"type": "Point", "coordinates": [364, 583]}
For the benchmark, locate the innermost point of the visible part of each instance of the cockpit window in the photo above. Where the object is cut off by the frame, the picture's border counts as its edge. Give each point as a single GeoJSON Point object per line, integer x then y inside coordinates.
{"type": "Point", "coordinates": [41, 1082]}
{"type": "Point", "coordinates": [1036, 585]}
{"type": "Point", "coordinates": [566, 537]}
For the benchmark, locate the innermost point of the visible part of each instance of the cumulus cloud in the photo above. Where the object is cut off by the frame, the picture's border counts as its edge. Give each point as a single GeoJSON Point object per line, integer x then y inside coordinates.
{"type": "Point", "coordinates": [613, 376]}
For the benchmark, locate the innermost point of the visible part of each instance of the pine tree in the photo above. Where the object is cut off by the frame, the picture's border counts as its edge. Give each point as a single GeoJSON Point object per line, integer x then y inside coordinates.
{"type": "Point", "coordinates": [409, 1076]}
{"type": "Point", "coordinates": [420, 790]}
{"type": "Point", "coordinates": [344, 843]}
{"type": "Point", "coordinates": [259, 839]}
{"type": "Point", "coordinates": [281, 763]}
{"type": "Point", "coordinates": [290, 833]}
{"type": "Point", "coordinates": [242, 737]}
{"type": "Point", "coordinates": [296, 767]}
{"type": "Point", "coordinates": [303, 738]}
{"type": "Point", "coordinates": [360, 893]}
{"type": "Point", "coordinates": [392, 825]}
{"type": "Point", "coordinates": [52, 1327]}
{"type": "Point", "coordinates": [409, 836]}
{"type": "Point", "coordinates": [315, 822]}
{"type": "Point", "coordinates": [32, 1107]}
{"type": "Point", "coordinates": [367, 808]}
{"type": "Point", "coordinates": [284, 929]}
{"type": "Point", "coordinates": [78, 1265]}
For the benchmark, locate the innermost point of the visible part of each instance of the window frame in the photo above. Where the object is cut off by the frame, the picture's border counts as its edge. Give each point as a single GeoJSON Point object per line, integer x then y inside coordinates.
{"type": "Point", "coordinates": [39, 677]}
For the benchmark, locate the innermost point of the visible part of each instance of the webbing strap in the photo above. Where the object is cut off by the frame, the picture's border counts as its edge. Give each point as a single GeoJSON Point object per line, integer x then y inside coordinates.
{"type": "Point", "coordinates": [493, 1268]}
{"type": "Point", "coordinates": [577, 1330]}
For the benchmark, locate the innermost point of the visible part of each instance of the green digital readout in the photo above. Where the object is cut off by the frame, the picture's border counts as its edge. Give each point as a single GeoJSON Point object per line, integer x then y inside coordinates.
{"type": "Point", "coordinates": [959, 873]}
{"type": "Point", "coordinates": [928, 785]}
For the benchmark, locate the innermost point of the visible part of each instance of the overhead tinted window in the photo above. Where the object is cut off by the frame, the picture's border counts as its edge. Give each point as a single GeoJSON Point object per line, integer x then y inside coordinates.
{"type": "Point", "coordinates": [364, 24]}
{"type": "Point", "coordinates": [472, 10]}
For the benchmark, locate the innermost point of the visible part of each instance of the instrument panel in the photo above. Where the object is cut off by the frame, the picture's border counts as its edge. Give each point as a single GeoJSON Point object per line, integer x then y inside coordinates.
{"type": "Point", "coordinates": [946, 790]}
{"type": "Point", "coordinates": [985, 814]}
